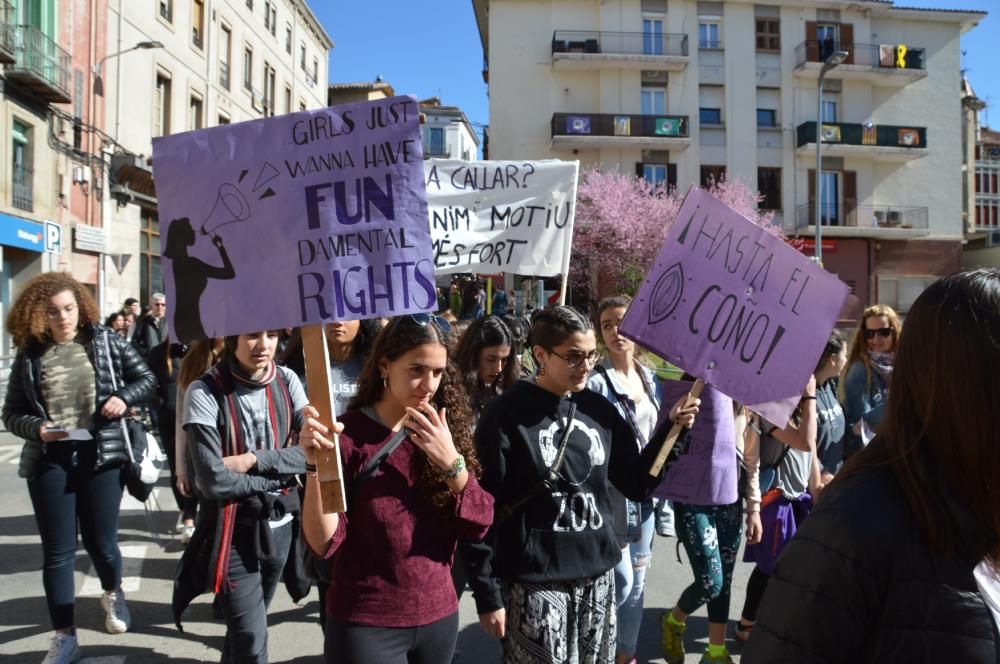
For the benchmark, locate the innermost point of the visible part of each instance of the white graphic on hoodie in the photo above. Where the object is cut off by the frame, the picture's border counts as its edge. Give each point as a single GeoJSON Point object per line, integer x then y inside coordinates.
{"type": "Point", "coordinates": [577, 509]}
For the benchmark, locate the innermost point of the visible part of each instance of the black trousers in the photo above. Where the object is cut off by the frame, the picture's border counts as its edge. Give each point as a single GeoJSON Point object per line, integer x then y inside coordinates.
{"type": "Point", "coordinates": [67, 493]}
{"type": "Point", "coordinates": [347, 643]}
{"type": "Point", "coordinates": [244, 603]}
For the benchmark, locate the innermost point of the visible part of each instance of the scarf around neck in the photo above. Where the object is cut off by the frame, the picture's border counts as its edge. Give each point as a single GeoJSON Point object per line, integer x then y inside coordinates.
{"type": "Point", "coordinates": [232, 366]}
{"type": "Point", "coordinates": [882, 363]}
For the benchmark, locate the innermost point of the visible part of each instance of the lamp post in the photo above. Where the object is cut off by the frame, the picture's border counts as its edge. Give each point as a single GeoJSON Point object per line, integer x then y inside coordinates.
{"type": "Point", "coordinates": [834, 59]}
{"type": "Point", "coordinates": [98, 90]}
{"type": "Point", "coordinates": [98, 82]}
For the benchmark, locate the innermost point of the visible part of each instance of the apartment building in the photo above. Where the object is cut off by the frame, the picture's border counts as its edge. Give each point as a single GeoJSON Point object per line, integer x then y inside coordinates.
{"type": "Point", "coordinates": [983, 237]}
{"type": "Point", "coordinates": [447, 132]}
{"type": "Point", "coordinates": [47, 149]}
{"type": "Point", "coordinates": [213, 62]}
{"type": "Point", "coordinates": [683, 91]}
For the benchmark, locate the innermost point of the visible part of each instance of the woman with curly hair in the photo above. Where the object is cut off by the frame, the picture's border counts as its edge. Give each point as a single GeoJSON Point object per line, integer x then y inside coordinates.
{"type": "Point", "coordinates": [391, 599]}
{"type": "Point", "coordinates": [864, 383]}
{"type": "Point", "coordinates": [71, 373]}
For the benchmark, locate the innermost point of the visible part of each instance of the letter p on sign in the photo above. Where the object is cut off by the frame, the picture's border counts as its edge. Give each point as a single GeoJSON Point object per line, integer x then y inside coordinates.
{"type": "Point", "coordinates": [53, 238]}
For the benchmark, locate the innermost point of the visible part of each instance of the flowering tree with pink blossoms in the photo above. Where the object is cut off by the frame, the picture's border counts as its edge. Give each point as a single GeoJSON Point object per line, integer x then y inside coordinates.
{"type": "Point", "coordinates": [622, 220]}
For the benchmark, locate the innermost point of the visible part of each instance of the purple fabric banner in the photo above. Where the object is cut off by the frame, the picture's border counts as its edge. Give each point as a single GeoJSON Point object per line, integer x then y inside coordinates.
{"type": "Point", "coordinates": [295, 220]}
{"type": "Point", "coordinates": [736, 306]}
{"type": "Point", "coordinates": [706, 471]}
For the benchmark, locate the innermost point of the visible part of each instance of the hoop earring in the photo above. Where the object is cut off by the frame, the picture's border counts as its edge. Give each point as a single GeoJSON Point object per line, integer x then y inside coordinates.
{"type": "Point", "coordinates": [385, 383]}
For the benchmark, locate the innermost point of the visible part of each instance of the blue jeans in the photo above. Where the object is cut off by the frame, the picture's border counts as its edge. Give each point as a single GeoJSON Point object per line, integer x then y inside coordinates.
{"type": "Point", "coordinates": [630, 581]}
{"type": "Point", "coordinates": [67, 491]}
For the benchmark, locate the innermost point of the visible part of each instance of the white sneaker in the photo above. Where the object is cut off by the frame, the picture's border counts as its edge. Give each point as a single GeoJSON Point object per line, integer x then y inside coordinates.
{"type": "Point", "coordinates": [186, 533]}
{"type": "Point", "coordinates": [179, 526]}
{"type": "Point", "coordinates": [118, 620]}
{"type": "Point", "coordinates": [63, 650]}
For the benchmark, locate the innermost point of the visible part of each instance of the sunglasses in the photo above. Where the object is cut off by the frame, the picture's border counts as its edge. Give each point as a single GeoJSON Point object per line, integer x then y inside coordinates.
{"type": "Point", "coordinates": [575, 359]}
{"type": "Point", "coordinates": [884, 332]}
{"type": "Point", "coordinates": [423, 320]}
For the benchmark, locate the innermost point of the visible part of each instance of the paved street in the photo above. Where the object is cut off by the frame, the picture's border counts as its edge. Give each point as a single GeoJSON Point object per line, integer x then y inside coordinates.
{"type": "Point", "coordinates": [148, 570]}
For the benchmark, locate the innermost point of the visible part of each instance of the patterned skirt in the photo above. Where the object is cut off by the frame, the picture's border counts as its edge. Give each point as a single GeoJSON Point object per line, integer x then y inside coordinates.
{"type": "Point", "coordinates": [566, 622]}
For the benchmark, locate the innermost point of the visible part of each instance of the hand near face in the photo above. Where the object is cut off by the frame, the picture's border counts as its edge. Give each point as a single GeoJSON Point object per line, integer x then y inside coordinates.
{"type": "Point", "coordinates": [429, 431]}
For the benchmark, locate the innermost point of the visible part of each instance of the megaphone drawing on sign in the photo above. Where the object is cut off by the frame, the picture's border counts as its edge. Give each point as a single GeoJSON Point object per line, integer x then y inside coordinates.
{"type": "Point", "coordinates": [230, 207]}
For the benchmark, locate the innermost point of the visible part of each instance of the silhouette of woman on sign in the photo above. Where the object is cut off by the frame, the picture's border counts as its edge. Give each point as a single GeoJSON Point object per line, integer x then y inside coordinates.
{"type": "Point", "coordinates": [191, 275]}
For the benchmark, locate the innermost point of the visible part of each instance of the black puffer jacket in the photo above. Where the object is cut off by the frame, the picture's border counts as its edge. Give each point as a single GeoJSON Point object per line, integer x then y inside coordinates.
{"type": "Point", "coordinates": [856, 584]}
{"type": "Point", "coordinates": [24, 409]}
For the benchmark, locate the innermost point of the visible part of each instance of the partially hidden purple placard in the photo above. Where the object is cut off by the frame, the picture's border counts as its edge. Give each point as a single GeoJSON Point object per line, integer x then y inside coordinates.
{"type": "Point", "coordinates": [736, 306]}
{"type": "Point", "coordinates": [295, 220]}
{"type": "Point", "coordinates": [706, 471]}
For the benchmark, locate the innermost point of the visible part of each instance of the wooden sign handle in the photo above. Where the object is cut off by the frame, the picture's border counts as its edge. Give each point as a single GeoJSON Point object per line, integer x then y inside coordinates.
{"type": "Point", "coordinates": [317, 361]}
{"type": "Point", "coordinates": [675, 432]}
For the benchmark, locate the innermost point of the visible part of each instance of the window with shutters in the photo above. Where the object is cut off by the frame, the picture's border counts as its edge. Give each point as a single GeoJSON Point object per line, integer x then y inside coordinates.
{"type": "Point", "coordinates": [768, 34]}
{"type": "Point", "coordinates": [198, 23]}
{"type": "Point", "coordinates": [248, 67]}
{"type": "Point", "coordinates": [769, 186]}
{"type": "Point", "coordinates": [195, 113]}
{"type": "Point", "coordinates": [161, 106]}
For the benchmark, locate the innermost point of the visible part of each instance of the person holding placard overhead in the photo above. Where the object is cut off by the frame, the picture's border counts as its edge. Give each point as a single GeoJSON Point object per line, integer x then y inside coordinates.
{"type": "Point", "coordinates": [864, 385]}
{"type": "Point", "coordinates": [549, 449]}
{"type": "Point", "coordinates": [239, 418]}
{"type": "Point", "coordinates": [410, 474]}
{"type": "Point", "coordinates": [71, 382]}
{"type": "Point", "coordinates": [899, 561]}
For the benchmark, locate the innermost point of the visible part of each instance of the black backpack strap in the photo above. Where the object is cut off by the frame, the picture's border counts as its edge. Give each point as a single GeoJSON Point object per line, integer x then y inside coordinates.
{"type": "Point", "coordinates": [368, 471]}
{"type": "Point", "coordinates": [548, 481]}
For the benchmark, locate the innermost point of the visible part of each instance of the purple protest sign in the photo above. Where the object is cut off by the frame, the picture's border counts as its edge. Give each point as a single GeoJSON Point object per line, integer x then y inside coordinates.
{"type": "Point", "coordinates": [736, 306]}
{"type": "Point", "coordinates": [295, 220]}
{"type": "Point", "coordinates": [705, 473]}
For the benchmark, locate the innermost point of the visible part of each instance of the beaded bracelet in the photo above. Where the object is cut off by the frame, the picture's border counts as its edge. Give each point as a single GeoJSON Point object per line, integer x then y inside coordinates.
{"type": "Point", "coordinates": [456, 468]}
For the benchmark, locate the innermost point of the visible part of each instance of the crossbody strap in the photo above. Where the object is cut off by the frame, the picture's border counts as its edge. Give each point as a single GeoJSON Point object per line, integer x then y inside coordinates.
{"type": "Point", "coordinates": [114, 388]}
{"type": "Point", "coordinates": [629, 414]}
{"type": "Point", "coordinates": [368, 471]}
{"type": "Point", "coordinates": [549, 480]}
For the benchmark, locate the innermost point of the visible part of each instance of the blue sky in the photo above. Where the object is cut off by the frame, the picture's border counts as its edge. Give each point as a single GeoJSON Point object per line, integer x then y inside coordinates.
{"type": "Point", "coordinates": [431, 47]}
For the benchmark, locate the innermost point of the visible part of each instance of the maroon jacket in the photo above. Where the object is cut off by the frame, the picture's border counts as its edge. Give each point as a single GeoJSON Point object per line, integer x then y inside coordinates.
{"type": "Point", "coordinates": [394, 550]}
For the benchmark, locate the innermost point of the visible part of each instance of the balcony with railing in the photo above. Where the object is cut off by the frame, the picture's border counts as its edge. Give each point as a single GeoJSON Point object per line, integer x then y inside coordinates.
{"type": "Point", "coordinates": [882, 64]}
{"type": "Point", "coordinates": [879, 142]}
{"type": "Point", "coordinates": [40, 65]}
{"type": "Point", "coordinates": [847, 219]}
{"type": "Point", "coordinates": [597, 130]}
{"type": "Point", "coordinates": [7, 54]}
{"type": "Point", "coordinates": [22, 179]}
{"type": "Point", "coordinates": [585, 49]}
{"type": "Point", "coordinates": [436, 150]}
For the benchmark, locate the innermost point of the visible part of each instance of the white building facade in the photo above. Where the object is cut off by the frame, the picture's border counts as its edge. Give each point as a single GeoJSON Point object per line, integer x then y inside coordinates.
{"type": "Point", "coordinates": [682, 91]}
{"type": "Point", "coordinates": [447, 132]}
{"type": "Point", "coordinates": [222, 61]}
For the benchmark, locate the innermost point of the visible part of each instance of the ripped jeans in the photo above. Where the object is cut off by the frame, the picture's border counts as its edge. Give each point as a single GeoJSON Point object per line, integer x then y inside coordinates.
{"type": "Point", "coordinates": [630, 579]}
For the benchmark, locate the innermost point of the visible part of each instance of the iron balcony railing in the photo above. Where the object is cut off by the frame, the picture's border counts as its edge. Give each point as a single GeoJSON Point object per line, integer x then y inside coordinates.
{"type": "Point", "coordinates": [863, 216]}
{"type": "Point", "coordinates": [21, 194]}
{"type": "Point", "coordinates": [38, 59]}
{"type": "Point", "coordinates": [845, 133]}
{"type": "Point", "coordinates": [623, 125]}
{"type": "Point", "coordinates": [436, 151]}
{"type": "Point", "coordinates": [882, 56]}
{"type": "Point", "coordinates": [618, 43]}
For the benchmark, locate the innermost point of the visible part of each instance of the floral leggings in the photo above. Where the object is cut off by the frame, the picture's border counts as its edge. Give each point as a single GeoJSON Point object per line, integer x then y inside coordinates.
{"type": "Point", "coordinates": [711, 536]}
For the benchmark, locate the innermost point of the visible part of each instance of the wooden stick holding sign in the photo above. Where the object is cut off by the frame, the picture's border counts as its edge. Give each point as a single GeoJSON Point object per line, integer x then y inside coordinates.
{"type": "Point", "coordinates": [675, 432]}
{"type": "Point", "coordinates": [328, 468]}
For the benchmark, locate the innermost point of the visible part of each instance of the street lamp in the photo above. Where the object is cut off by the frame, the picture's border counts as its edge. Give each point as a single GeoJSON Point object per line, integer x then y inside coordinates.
{"type": "Point", "coordinates": [833, 60]}
{"type": "Point", "coordinates": [98, 82]}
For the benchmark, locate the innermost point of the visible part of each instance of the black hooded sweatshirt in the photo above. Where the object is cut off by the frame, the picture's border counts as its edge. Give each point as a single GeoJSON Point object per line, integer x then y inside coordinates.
{"type": "Point", "coordinates": [567, 533]}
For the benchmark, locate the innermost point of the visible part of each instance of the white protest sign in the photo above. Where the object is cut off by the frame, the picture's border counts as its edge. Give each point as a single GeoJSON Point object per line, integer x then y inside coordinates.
{"type": "Point", "coordinates": [501, 216]}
